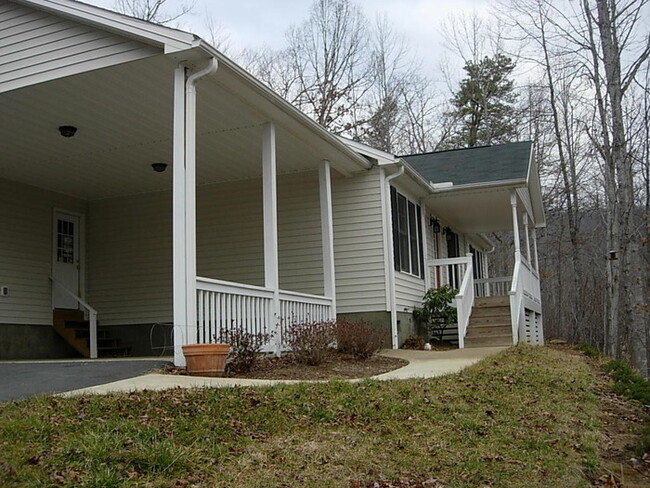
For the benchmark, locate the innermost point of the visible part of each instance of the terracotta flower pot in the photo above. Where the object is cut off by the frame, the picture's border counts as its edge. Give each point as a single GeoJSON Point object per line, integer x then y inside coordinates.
{"type": "Point", "coordinates": [206, 359]}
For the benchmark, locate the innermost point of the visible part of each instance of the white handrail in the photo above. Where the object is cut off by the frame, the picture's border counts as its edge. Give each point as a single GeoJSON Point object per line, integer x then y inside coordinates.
{"type": "Point", "coordinates": [92, 317]}
{"type": "Point", "coordinates": [465, 301]}
{"type": "Point", "coordinates": [516, 299]}
{"type": "Point", "coordinates": [447, 261]}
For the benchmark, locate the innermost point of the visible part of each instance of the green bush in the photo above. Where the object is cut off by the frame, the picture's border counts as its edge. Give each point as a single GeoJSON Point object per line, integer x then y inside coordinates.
{"type": "Point", "coordinates": [627, 382]}
{"type": "Point", "coordinates": [436, 312]}
{"type": "Point", "coordinates": [589, 350]}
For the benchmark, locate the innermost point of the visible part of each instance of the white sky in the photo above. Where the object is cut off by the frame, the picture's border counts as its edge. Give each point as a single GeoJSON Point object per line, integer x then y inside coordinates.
{"type": "Point", "coordinates": [256, 23]}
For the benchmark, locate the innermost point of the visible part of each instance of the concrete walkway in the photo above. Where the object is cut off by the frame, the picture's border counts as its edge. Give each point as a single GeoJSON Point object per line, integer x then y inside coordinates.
{"type": "Point", "coordinates": [422, 364]}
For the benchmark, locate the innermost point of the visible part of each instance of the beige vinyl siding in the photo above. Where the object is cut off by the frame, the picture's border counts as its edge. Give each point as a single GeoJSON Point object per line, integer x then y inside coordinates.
{"type": "Point", "coordinates": [359, 243]}
{"type": "Point", "coordinates": [229, 232]}
{"type": "Point", "coordinates": [299, 227]}
{"type": "Point", "coordinates": [26, 215]}
{"type": "Point", "coordinates": [130, 259]}
{"type": "Point", "coordinates": [130, 254]}
{"type": "Point", "coordinates": [36, 46]}
{"type": "Point", "coordinates": [230, 243]}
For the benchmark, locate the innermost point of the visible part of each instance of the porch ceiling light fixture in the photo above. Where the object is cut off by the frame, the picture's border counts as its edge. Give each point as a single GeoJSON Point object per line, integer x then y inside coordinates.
{"type": "Point", "coordinates": [67, 130]}
{"type": "Point", "coordinates": [159, 167]}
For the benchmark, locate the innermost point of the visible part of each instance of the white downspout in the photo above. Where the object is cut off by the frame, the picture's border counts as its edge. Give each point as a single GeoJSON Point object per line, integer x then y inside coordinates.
{"type": "Point", "coordinates": [391, 259]}
{"type": "Point", "coordinates": [190, 196]}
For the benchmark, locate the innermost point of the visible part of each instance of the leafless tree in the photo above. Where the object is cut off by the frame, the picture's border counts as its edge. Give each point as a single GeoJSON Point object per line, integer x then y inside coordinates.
{"type": "Point", "coordinates": [330, 58]}
{"type": "Point", "coordinates": [152, 10]}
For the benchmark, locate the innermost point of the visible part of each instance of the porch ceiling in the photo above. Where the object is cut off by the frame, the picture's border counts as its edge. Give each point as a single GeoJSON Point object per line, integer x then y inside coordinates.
{"type": "Point", "coordinates": [124, 120]}
{"type": "Point", "coordinates": [474, 211]}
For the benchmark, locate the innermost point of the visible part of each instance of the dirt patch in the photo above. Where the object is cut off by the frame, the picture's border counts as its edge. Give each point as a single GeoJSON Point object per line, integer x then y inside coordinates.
{"type": "Point", "coordinates": [336, 367]}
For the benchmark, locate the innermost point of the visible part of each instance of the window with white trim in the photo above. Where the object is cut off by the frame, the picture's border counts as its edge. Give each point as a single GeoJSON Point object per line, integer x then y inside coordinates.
{"type": "Point", "coordinates": [407, 234]}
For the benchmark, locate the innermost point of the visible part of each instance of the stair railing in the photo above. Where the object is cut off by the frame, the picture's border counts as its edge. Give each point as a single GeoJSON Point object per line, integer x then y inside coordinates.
{"type": "Point", "coordinates": [465, 301]}
{"type": "Point", "coordinates": [516, 299]}
{"type": "Point", "coordinates": [92, 316]}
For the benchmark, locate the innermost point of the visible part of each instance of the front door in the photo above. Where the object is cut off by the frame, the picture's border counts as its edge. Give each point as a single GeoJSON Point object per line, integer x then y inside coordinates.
{"type": "Point", "coordinates": [66, 268]}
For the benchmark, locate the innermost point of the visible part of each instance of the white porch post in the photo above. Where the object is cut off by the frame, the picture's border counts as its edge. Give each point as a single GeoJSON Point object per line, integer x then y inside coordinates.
{"type": "Point", "coordinates": [178, 218]}
{"type": "Point", "coordinates": [515, 225]}
{"type": "Point", "coordinates": [327, 232]}
{"type": "Point", "coordinates": [526, 231]}
{"type": "Point", "coordinates": [425, 245]}
{"type": "Point", "coordinates": [270, 204]}
{"type": "Point", "coordinates": [535, 256]}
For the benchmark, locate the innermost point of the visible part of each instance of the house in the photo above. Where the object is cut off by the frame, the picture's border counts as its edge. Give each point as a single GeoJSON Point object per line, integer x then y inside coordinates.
{"type": "Point", "coordinates": [424, 221]}
{"type": "Point", "coordinates": [150, 185]}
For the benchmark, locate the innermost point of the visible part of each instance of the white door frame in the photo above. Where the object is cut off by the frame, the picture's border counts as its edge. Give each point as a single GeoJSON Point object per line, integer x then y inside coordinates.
{"type": "Point", "coordinates": [82, 248]}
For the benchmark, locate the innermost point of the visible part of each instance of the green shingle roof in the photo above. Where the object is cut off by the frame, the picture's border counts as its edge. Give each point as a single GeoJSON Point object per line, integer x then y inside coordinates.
{"type": "Point", "coordinates": [474, 165]}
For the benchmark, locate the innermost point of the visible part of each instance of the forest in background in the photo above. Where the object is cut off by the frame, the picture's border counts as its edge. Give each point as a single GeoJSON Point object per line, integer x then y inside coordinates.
{"type": "Point", "coordinates": [572, 76]}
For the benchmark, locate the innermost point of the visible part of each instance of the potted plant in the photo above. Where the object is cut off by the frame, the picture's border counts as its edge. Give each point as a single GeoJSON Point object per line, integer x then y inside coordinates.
{"type": "Point", "coordinates": [436, 312]}
{"type": "Point", "coordinates": [206, 359]}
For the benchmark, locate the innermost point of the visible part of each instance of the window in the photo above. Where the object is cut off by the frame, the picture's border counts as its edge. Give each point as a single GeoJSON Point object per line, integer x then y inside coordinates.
{"type": "Point", "coordinates": [407, 234]}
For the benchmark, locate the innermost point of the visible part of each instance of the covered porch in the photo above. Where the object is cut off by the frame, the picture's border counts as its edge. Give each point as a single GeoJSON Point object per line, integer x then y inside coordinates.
{"type": "Point", "coordinates": [236, 231]}
{"type": "Point", "coordinates": [493, 310]}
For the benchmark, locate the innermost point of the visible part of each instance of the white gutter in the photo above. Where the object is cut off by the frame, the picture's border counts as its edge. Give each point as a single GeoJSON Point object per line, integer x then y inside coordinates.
{"type": "Point", "coordinates": [391, 259]}
{"type": "Point", "coordinates": [190, 187]}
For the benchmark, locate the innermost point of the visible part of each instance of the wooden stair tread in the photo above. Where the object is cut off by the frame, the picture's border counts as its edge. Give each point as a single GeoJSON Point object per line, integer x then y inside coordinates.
{"type": "Point", "coordinates": [75, 330]}
{"type": "Point", "coordinates": [489, 323]}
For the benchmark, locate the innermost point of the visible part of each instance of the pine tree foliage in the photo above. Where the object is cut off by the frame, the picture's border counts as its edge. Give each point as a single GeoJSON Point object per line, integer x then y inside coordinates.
{"type": "Point", "coordinates": [484, 105]}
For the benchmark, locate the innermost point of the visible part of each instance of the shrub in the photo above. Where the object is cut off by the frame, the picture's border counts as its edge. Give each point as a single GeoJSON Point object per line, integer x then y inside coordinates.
{"type": "Point", "coordinates": [627, 382]}
{"type": "Point", "coordinates": [245, 348]}
{"type": "Point", "coordinates": [310, 343]}
{"type": "Point", "coordinates": [357, 338]}
{"type": "Point", "coordinates": [589, 350]}
{"type": "Point", "coordinates": [416, 342]}
{"type": "Point", "coordinates": [436, 312]}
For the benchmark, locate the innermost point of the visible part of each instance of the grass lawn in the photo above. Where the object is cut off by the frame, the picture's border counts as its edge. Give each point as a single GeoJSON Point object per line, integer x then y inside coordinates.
{"type": "Point", "coordinates": [527, 417]}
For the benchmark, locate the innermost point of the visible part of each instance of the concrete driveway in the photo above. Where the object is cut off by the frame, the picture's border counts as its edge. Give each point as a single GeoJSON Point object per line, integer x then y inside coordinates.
{"type": "Point", "coordinates": [21, 379]}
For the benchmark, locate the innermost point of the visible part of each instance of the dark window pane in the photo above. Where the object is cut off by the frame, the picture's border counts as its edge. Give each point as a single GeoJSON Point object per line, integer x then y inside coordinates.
{"type": "Point", "coordinates": [402, 212]}
{"type": "Point", "coordinates": [393, 207]}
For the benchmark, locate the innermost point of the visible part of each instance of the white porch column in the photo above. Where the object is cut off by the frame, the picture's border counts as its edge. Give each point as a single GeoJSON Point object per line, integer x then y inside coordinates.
{"type": "Point", "coordinates": [327, 232]}
{"type": "Point", "coordinates": [535, 256]}
{"type": "Point", "coordinates": [526, 231]}
{"type": "Point", "coordinates": [515, 224]}
{"type": "Point", "coordinates": [270, 204]}
{"type": "Point", "coordinates": [178, 218]}
{"type": "Point", "coordinates": [425, 245]}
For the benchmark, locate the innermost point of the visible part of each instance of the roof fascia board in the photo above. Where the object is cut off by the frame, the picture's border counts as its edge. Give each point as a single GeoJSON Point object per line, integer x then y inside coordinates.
{"type": "Point", "coordinates": [285, 106]}
{"type": "Point", "coordinates": [381, 156]}
{"type": "Point", "coordinates": [535, 192]}
{"type": "Point", "coordinates": [516, 183]}
{"type": "Point", "coordinates": [171, 40]}
{"type": "Point", "coordinates": [524, 198]}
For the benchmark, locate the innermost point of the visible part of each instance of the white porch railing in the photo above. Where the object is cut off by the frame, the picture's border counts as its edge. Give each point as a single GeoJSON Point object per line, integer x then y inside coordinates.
{"type": "Point", "coordinates": [457, 273]}
{"type": "Point", "coordinates": [525, 284]}
{"type": "Point", "coordinates": [92, 317]}
{"type": "Point", "coordinates": [301, 308]}
{"type": "Point", "coordinates": [448, 271]}
{"type": "Point", "coordinates": [492, 287]}
{"type": "Point", "coordinates": [224, 305]}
